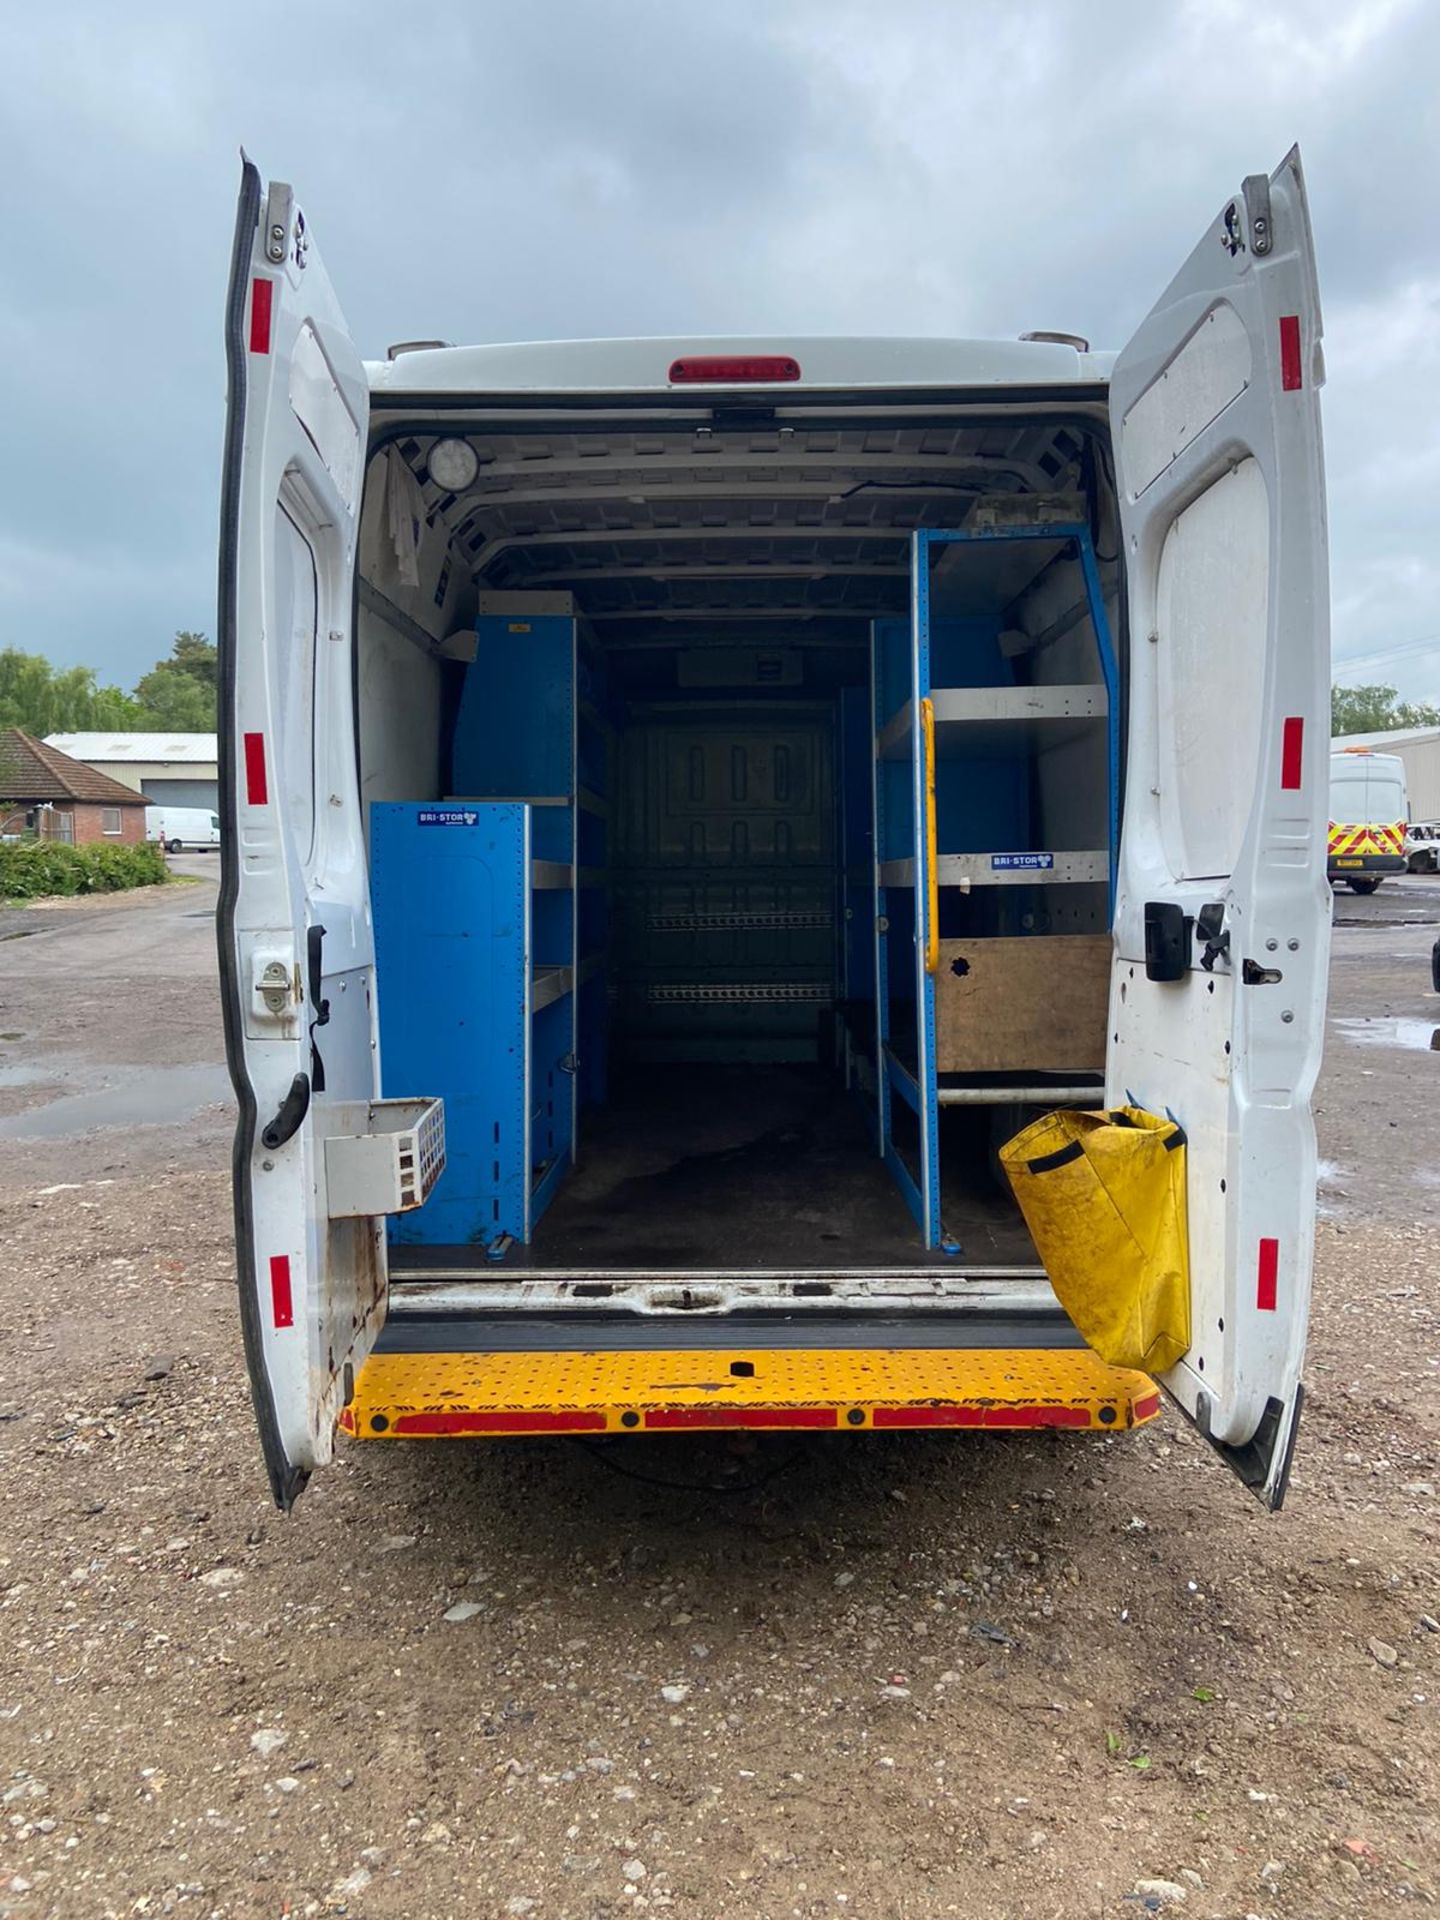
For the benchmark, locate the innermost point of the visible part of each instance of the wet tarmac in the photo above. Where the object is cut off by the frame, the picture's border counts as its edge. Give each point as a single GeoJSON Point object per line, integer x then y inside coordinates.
{"type": "Point", "coordinates": [108, 1097]}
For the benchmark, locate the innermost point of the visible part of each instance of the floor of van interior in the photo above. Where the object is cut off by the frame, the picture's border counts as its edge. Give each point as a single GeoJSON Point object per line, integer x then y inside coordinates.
{"type": "Point", "coordinates": [746, 1167]}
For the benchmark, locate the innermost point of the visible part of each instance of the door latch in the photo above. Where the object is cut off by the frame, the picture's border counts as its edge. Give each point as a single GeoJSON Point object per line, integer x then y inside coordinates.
{"type": "Point", "coordinates": [275, 982]}
{"type": "Point", "coordinates": [1254, 975]}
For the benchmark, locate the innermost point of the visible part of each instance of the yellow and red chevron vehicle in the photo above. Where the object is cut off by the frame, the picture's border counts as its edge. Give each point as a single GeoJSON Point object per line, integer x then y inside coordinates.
{"type": "Point", "coordinates": [1368, 812]}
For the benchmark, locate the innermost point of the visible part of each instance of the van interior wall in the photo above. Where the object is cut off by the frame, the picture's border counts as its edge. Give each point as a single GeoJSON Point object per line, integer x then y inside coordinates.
{"type": "Point", "coordinates": [1071, 775]}
{"type": "Point", "coordinates": [725, 1139]}
{"type": "Point", "coordinates": [411, 596]}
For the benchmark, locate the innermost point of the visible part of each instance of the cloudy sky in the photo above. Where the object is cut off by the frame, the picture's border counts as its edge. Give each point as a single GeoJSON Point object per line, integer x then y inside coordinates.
{"type": "Point", "coordinates": [547, 168]}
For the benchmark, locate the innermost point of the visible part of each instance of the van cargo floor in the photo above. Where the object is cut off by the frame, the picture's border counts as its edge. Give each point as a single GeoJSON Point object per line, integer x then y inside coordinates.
{"type": "Point", "coordinates": [699, 1168]}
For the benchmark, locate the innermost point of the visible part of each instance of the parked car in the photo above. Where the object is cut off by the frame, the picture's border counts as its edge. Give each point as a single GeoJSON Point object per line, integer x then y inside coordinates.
{"type": "Point", "coordinates": [177, 827]}
{"type": "Point", "coordinates": [1422, 846]}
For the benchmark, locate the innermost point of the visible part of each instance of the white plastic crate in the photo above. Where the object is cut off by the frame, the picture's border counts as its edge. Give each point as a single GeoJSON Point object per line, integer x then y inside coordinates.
{"type": "Point", "coordinates": [381, 1156]}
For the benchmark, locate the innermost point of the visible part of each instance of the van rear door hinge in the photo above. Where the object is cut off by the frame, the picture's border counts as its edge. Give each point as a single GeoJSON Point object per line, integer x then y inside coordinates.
{"type": "Point", "coordinates": [1256, 189]}
{"type": "Point", "coordinates": [279, 207]}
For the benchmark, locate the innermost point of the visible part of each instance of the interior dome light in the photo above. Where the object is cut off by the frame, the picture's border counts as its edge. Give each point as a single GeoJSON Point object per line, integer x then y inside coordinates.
{"type": "Point", "coordinates": [453, 464]}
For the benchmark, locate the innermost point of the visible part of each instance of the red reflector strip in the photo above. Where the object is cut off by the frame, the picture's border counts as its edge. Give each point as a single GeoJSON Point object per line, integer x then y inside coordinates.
{"type": "Point", "coordinates": [679, 1417]}
{"type": "Point", "coordinates": [262, 293]}
{"type": "Point", "coordinates": [982, 1416]}
{"type": "Point", "coordinates": [1147, 1408]}
{"type": "Point", "coordinates": [496, 1420]}
{"type": "Point", "coordinates": [1292, 751]}
{"type": "Point", "coordinates": [1267, 1285]}
{"type": "Point", "coordinates": [1290, 351]}
{"type": "Point", "coordinates": [280, 1300]}
{"type": "Point", "coordinates": [257, 790]}
{"type": "Point", "coordinates": [734, 367]}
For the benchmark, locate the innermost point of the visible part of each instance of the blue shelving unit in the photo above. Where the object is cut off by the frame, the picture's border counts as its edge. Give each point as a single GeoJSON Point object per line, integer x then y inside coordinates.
{"type": "Point", "coordinates": [490, 926]}
{"type": "Point", "coordinates": [984, 726]}
{"type": "Point", "coordinates": [477, 1000]}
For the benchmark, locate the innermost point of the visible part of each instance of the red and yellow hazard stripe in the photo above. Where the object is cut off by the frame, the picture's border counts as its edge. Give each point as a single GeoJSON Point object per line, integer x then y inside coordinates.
{"type": "Point", "coordinates": [1348, 840]}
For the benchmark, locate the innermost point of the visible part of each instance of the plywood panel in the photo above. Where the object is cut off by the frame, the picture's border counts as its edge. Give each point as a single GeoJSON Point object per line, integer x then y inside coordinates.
{"type": "Point", "coordinates": [1032, 1005]}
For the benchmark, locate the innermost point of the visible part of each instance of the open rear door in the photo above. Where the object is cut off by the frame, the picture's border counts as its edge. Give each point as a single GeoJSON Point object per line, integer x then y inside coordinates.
{"type": "Point", "coordinates": [296, 954]}
{"type": "Point", "coordinates": [1216, 424]}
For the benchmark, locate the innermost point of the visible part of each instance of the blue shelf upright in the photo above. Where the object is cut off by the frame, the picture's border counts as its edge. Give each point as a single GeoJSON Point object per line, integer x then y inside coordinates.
{"type": "Point", "coordinates": [956, 734]}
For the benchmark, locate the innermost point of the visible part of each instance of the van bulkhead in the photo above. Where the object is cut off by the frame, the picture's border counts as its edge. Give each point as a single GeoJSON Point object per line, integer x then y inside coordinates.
{"type": "Point", "coordinates": [686, 802]}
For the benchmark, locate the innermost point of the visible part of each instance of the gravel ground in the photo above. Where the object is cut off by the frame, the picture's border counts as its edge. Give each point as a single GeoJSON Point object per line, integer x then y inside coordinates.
{"type": "Point", "coordinates": [904, 1676]}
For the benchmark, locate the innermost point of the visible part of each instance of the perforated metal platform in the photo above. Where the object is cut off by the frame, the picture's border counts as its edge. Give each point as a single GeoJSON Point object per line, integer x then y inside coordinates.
{"type": "Point", "coordinates": [431, 1395]}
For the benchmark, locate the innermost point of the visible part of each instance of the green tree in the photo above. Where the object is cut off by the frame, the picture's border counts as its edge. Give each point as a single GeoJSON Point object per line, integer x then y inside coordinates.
{"type": "Point", "coordinates": [1377, 710]}
{"type": "Point", "coordinates": [43, 698]}
{"type": "Point", "coordinates": [178, 694]}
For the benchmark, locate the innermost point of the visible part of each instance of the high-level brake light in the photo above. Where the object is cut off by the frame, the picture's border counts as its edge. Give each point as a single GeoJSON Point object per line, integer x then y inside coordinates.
{"type": "Point", "coordinates": [733, 368]}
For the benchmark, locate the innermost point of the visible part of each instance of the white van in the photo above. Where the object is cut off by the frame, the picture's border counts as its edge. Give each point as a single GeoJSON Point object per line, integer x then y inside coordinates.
{"type": "Point", "coordinates": [179, 827]}
{"type": "Point", "coordinates": [1369, 813]}
{"type": "Point", "coordinates": [633, 754]}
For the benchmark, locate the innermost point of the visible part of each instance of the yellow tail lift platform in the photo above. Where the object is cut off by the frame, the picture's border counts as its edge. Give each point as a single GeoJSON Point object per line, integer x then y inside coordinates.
{"type": "Point", "coordinates": [402, 1396]}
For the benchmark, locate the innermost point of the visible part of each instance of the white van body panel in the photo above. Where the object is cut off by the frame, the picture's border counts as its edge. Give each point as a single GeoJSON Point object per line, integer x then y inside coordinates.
{"type": "Point", "coordinates": [1367, 789]}
{"type": "Point", "coordinates": [1217, 451]}
{"type": "Point", "coordinates": [176, 827]}
{"type": "Point", "coordinates": [1216, 423]}
{"type": "Point", "coordinates": [826, 364]}
{"type": "Point", "coordinates": [296, 951]}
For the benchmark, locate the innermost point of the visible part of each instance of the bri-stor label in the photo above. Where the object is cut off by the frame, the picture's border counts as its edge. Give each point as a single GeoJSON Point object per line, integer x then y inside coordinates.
{"type": "Point", "coordinates": [447, 817]}
{"type": "Point", "coordinates": [1029, 862]}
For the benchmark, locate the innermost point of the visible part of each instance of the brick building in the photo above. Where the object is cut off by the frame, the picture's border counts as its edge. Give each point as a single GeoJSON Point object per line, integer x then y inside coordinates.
{"type": "Point", "coordinates": [46, 793]}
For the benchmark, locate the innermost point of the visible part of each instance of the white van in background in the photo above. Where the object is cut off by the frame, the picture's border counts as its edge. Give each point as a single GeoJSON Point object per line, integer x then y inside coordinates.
{"type": "Point", "coordinates": [1369, 812]}
{"type": "Point", "coordinates": [179, 827]}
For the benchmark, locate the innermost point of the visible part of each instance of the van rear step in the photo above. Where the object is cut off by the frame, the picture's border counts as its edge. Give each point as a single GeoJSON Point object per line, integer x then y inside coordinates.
{"type": "Point", "coordinates": [448, 1395]}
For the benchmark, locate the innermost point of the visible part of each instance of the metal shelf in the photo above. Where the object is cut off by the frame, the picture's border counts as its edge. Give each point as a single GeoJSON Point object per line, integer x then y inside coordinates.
{"type": "Point", "coordinates": [549, 984]}
{"type": "Point", "coordinates": [558, 876]}
{"type": "Point", "coordinates": [980, 720]}
{"type": "Point", "coordinates": [967, 870]}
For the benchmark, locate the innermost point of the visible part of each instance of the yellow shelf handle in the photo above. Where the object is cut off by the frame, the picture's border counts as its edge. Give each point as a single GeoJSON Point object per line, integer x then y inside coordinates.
{"type": "Point", "coordinates": [932, 853]}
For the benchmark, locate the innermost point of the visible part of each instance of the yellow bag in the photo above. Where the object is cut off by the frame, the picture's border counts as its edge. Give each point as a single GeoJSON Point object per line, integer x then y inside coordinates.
{"type": "Point", "coordinates": [1103, 1195]}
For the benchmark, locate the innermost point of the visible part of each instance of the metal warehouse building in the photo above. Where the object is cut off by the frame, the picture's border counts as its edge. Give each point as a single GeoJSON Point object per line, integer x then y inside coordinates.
{"type": "Point", "coordinates": [172, 769]}
{"type": "Point", "coordinates": [1419, 748]}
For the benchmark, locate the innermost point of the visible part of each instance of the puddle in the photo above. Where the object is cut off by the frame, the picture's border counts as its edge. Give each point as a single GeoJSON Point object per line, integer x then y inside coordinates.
{"type": "Point", "coordinates": [1330, 1192]}
{"type": "Point", "coordinates": [144, 1097]}
{"type": "Point", "coordinates": [1416, 1036]}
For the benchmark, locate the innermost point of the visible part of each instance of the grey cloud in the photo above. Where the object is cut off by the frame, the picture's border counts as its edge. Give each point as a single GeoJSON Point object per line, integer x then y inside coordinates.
{"type": "Point", "coordinates": [561, 168]}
